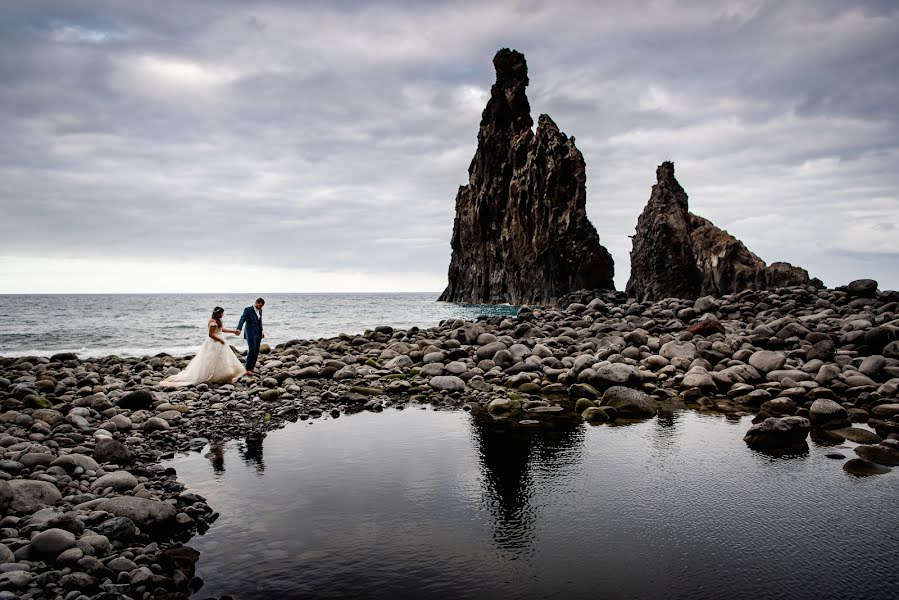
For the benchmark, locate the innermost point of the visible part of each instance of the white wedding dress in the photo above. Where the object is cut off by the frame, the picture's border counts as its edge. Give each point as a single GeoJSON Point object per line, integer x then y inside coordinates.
{"type": "Point", "coordinates": [214, 363]}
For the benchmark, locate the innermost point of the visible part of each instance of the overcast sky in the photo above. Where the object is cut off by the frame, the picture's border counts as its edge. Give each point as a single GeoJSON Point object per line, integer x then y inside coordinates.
{"type": "Point", "coordinates": [243, 146]}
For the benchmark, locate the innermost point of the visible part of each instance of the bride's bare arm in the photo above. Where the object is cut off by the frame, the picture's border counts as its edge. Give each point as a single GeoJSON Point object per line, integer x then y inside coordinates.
{"type": "Point", "coordinates": [234, 331]}
{"type": "Point", "coordinates": [212, 333]}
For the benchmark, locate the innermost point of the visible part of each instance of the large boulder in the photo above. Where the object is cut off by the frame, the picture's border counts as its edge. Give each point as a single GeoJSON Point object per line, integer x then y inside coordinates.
{"type": "Point", "coordinates": [628, 402]}
{"type": "Point", "coordinates": [52, 541]}
{"type": "Point", "coordinates": [824, 411]}
{"type": "Point", "coordinates": [138, 400]}
{"type": "Point", "coordinates": [142, 511]}
{"type": "Point", "coordinates": [108, 450]}
{"type": "Point", "coordinates": [29, 495]}
{"type": "Point", "coordinates": [521, 233]}
{"type": "Point", "coordinates": [778, 434]}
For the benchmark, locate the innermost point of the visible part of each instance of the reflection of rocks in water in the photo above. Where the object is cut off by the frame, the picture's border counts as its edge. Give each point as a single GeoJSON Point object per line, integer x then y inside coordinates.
{"type": "Point", "coordinates": [507, 451]}
{"type": "Point", "coordinates": [216, 456]}
{"type": "Point", "coordinates": [251, 450]}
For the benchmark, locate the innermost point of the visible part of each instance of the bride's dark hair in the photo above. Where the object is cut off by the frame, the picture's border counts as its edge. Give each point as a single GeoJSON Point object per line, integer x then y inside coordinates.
{"type": "Point", "coordinates": [217, 313]}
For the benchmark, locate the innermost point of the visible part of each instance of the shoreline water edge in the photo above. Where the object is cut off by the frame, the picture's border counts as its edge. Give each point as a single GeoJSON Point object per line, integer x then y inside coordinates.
{"type": "Point", "coordinates": [89, 512]}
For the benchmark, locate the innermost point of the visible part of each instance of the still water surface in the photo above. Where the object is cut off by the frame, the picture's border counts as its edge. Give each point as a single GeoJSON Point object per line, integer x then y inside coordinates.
{"type": "Point", "coordinates": [418, 503]}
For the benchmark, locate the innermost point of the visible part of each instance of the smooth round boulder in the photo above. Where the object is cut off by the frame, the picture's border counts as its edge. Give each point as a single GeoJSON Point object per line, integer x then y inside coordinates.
{"type": "Point", "coordinates": [862, 288]}
{"type": "Point", "coordinates": [824, 410]}
{"type": "Point", "coordinates": [678, 349]}
{"type": "Point", "coordinates": [864, 468]}
{"type": "Point", "coordinates": [628, 402]}
{"type": "Point", "coordinates": [598, 414]}
{"type": "Point", "coordinates": [778, 434]}
{"type": "Point", "coordinates": [767, 360]}
{"type": "Point", "coordinates": [52, 541]}
{"type": "Point", "coordinates": [70, 462]}
{"type": "Point", "coordinates": [29, 495]}
{"type": "Point", "coordinates": [112, 451]}
{"type": "Point", "coordinates": [400, 362]}
{"type": "Point", "coordinates": [139, 400]}
{"type": "Point", "coordinates": [857, 435]}
{"type": "Point", "coordinates": [879, 453]}
{"type": "Point", "coordinates": [447, 383]}
{"type": "Point", "coordinates": [120, 481]}
{"type": "Point", "coordinates": [155, 424]}
{"type": "Point", "coordinates": [142, 511]}
{"type": "Point", "coordinates": [500, 405]}
{"type": "Point", "coordinates": [886, 411]}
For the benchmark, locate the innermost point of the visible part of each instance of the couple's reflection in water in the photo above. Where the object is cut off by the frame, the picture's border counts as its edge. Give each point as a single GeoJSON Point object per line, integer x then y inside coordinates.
{"type": "Point", "coordinates": [249, 449]}
{"type": "Point", "coordinates": [516, 460]}
{"type": "Point", "coordinates": [510, 456]}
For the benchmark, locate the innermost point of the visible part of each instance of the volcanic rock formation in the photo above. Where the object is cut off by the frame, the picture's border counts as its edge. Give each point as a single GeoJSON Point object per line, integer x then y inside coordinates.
{"type": "Point", "coordinates": [521, 233]}
{"type": "Point", "coordinates": [678, 254]}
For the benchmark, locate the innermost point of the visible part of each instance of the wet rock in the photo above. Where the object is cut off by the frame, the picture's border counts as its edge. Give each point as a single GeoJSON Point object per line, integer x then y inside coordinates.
{"type": "Point", "coordinates": [857, 435]}
{"type": "Point", "coordinates": [824, 410]}
{"type": "Point", "coordinates": [778, 434]}
{"type": "Point", "coordinates": [864, 468]}
{"type": "Point", "coordinates": [879, 453]}
{"type": "Point", "coordinates": [628, 402]}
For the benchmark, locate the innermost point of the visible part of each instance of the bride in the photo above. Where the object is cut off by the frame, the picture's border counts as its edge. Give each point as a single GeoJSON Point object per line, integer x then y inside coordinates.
{"type": "Point", "coordinates": [214, 363]}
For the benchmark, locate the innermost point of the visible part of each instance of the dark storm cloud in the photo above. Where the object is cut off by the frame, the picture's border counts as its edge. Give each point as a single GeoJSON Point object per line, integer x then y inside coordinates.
{"type": "Point", "coordinates": [333, 135]}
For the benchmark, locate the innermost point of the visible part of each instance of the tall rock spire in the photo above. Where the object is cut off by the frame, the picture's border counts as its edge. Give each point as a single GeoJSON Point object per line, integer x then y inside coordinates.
{"type": "Point", "coordinates": [521, 233]}
{"type": "Point", "coordinates": [677, 254]}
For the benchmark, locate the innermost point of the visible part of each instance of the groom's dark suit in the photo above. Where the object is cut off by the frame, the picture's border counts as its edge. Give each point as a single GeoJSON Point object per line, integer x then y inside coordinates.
{"type": "Point", "coordinates": [253, 334]}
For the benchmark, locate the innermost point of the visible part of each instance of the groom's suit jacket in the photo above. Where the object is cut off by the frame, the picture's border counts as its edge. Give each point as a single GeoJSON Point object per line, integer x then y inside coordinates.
{"type": "Point", "coordinates": [253, 322]}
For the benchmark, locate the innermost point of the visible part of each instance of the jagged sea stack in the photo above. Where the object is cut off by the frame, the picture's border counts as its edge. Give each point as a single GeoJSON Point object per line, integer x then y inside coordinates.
{"type": "Point", "coordinates": [681, 255]}
{"type": "Point", "coordinates": [521, 233]}
{"type": "Point", "coordinates": [662, 259]}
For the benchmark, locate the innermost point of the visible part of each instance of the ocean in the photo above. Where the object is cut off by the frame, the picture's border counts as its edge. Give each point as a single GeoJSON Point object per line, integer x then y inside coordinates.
{"type": "Point", "coordinates": [94, 325]}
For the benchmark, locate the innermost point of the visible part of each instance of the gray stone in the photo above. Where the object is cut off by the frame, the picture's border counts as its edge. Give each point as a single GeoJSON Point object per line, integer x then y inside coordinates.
{"type": "Point", "coordinates": [70, 462]}
{"type": "Point", "coordinates": [120, 481]}
{"type": "Point", "coordinates": [447, 383]}
{"type": "Point", "coordinates": [155, 424]}
{"type": "Point", "coordinates": [112, 451]}
{"type": "Point", "coordinates": [778, 434]}
{"type": "Point", "coordinates": [698, 377]}
{"type": "Point", "coordinates": [628, 402]}
{"type": "Point", "coordinates": [872, 365]}
{"type": "Point", "coordinates": [863, 468]}
{"type": "Point", "coordinates": [879, 453]}
{"type": "Point", "coordinates": [30, 495]}
{"type": "Point", "coordinates": [677, 349]}
{"type": "Point", "coordinates": [767, 360]}
{"type": "Point", "coordinates": [142, 511]}
{"type": "Point", "coordinates": [52, 541]}
{"type": "Point", "coordinates": [824, 410]}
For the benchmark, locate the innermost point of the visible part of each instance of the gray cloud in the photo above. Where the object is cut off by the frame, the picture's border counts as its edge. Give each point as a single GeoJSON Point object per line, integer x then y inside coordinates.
{"type": "Point", "coordinates": [334, 136]}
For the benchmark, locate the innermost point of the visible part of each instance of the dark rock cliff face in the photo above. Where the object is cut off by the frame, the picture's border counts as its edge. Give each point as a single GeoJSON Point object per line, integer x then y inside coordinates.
{"type": "Point", "coordinates": [521, 233]}
{"type": "Point", "coordinates": [678, 254]}
{"type": "Point", "coordinates": [663, 263]}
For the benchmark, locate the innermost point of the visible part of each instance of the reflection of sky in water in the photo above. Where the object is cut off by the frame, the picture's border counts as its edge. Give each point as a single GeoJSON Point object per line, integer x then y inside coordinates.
{"type": "Point", "coordinates": [419, 503]}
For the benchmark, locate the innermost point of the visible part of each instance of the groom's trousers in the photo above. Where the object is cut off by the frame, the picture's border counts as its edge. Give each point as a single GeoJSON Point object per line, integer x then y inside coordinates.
{"type": "Point", "coordinates": [252, 352]}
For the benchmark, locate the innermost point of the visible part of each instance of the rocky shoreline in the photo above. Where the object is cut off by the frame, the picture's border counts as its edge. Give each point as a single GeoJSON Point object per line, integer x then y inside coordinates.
{"type": "Point", "coordinates": [88, 511]}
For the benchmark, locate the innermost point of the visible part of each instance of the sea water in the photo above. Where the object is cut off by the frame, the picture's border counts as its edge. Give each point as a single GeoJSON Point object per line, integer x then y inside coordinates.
{"type": "Point", "coordinates": [146, 324]}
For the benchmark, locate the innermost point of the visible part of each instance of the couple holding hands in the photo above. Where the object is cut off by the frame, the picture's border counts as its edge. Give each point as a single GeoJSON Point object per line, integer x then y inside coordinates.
{"type": "Point", "coordinates": [215, 362]}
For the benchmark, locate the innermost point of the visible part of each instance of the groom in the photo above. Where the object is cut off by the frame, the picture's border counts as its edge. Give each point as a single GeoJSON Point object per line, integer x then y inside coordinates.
{"type": "Point", "coordinates": [252, 316]}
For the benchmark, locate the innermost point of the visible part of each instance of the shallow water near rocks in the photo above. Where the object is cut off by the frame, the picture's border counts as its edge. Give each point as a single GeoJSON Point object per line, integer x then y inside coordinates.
{"type": "Point", "coordinates": [423, 503]}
